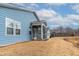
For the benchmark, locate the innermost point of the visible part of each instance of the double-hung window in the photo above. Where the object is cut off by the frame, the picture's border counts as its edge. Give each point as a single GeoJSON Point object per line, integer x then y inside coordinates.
{"type": "Point", "coordinates": [12, 27]}
{"type": "Point", "coordinates": [9, 26]}
{"type": "Point", "coordinates": [17, 28]}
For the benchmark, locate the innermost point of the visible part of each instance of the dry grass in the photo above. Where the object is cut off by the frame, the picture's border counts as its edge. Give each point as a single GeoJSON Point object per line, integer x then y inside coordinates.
{"type": "Point", "coordinates": [54, 46]}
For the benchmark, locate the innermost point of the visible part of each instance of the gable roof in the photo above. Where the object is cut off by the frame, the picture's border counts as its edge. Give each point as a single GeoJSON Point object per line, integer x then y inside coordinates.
{"type": "Point", "coordinates": [16, 7]}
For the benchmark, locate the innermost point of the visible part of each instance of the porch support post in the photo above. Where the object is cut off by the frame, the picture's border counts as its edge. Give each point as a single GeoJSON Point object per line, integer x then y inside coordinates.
{"type": "Point", "coordinates": [42, 31]}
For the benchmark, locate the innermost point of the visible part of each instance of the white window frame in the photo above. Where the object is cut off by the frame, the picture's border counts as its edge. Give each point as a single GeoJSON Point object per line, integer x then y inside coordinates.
{"type": "Point", "coordinates": [7, 20]}
{"type": "Point", "coordinates": [19, 27]}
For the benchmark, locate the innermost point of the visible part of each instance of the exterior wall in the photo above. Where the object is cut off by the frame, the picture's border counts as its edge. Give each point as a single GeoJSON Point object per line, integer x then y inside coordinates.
{"type": "Point", "coordinates": [24, 17]}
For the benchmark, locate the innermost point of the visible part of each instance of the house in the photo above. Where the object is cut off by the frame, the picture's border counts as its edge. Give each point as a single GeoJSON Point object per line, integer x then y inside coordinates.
{"type": "Point", "coordinates": [18, 24]}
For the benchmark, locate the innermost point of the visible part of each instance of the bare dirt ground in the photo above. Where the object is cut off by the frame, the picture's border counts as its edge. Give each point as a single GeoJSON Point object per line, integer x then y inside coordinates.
{"type": "Point", "coordinates": [57, 46]}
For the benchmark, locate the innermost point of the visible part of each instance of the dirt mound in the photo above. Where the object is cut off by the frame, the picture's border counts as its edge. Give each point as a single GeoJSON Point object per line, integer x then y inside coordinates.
{"type": "Point", "coordinates": [54, 46]}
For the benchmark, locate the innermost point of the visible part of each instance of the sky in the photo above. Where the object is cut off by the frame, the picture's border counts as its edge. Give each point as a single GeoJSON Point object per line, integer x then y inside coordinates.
{"type": "Point", "coordinates": [56, 14]}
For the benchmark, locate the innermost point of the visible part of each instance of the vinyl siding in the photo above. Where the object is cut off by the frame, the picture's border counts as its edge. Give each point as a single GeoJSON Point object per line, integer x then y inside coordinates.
{"type": "Point", "coordinates": [24, 17]}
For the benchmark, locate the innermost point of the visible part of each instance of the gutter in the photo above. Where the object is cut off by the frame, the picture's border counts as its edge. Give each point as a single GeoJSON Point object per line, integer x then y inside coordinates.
{"type": "Point", "coordinates": [36, 16]}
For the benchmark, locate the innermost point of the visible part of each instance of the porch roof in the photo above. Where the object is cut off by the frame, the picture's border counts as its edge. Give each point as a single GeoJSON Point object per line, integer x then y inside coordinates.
{"type": "Point", "coordinates": [37, 23]}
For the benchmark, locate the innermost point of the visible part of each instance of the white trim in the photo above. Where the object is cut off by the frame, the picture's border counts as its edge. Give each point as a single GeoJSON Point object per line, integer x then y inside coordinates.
{"type": "Point", "coordinates": [42, 31]}
{"type": "Point", "coordinates": [18, 24]}
{"type": "Point", "coordinates": [8, 20]}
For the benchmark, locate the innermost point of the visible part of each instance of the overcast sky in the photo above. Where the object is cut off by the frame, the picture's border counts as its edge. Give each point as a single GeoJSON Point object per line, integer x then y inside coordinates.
{"type": "Point", "coordinates": [56, 14]}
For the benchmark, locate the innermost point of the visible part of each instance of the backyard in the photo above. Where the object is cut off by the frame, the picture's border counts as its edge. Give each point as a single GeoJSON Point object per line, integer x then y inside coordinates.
{"type": "Point", "coordinates": [56, 46]}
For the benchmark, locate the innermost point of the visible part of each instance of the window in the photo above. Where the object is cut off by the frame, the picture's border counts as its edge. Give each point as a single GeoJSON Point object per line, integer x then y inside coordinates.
{"type": "Point", "coordinates": [10, 31]}
{"type": "Point", "coordinates": [9, 26]}
{"type": "Point", "coordinates": [12, 27]}
{"type": "Point", "coordinates": [17, 28]}
{"type": "Point", "coordinates": [17, 31]}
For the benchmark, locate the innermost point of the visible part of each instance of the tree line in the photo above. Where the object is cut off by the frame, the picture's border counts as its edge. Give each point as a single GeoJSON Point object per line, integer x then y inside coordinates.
{"type": "Point", "coordinates": [61, 31]}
